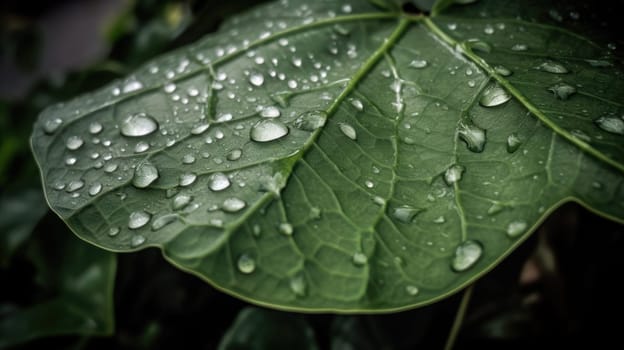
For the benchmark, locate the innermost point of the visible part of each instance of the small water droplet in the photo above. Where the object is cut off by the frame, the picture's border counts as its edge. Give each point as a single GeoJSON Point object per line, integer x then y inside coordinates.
{"type": "Point", "coordinates": [246, 264]}
{"type": "Point", "coordinates": [611, 124]}
{"type": "Point", "coordinates": [218, 182]}
{"type": "Point", "coordinates": [163, 221]}
{"type": "Point", "coordinates": [411, 290]}
{"type": "Point", "coordinates": [466, 255]}
{"type": "Point", "coordinates": [516, 228]}
{"type": "Point", "coordinates": [519, 47]}
{"type": "Point", "coordinates": [495, 208]}
{"type": "Point", "coordinates": [453, 174]}
{"type": "Point", "coordinates": [268, 130]}
{"type": "Point", "coordinates": [310, 121]}
{"type": "Point", "coordinates": [298, 285]}
{"type": "Point", "coordinates": [141, 147]}
{"type": "Point", "coordinates": [405, 213]}
{"type": "Point", "coordinates": [256, 79]}
{"type": "Point", "coordinates": [513, 142]}
{"type": "Point", "coordinates": [95, 189]}
{"type": "Point", "coordinates": [494, 95]}
{"type": "Point", "coordinates": [144, 175]}
{"type": "Point", "coordinates": [200, 129]}
{"type": "Point", "coordinates": [234, 154]}
{"type": "Point", "coordinates": [552, 67]}
{"type": "Point", "coordinates": [52, 125]}
{"type": "Point", "coordinates": [180, 201]}
{"type": "Point", "coordinates": [74, 185]}
{"type": "Point", "coordinates": [139, 124]}
{"type": "Point", "coordinates": [348, 131]}
{"type": "Point", "coordinates": [71, 160]}
{"type": "Point", "coordinates": [95, 128]}
{"type": "Point", "coordinates": [270, 112]}
{"type": "Point", "coordinates": [503, 71]}
{"type": "Point", "coordinates": [114, 231]}
{"type": "Point", "coordinates": [74, 142]}
{"type": "Point", "coordinates": [188, 159]}
{"type": "Point", "coordinates": [479, 45]}
{"type": "Point", "coordinates": [286, 228]}
{"type": "Point", "coordinates": [357, 104]}
{"type": "Point", "coordinates": [131, 86]}
{"type": "Point", "coordinates": [472, 135]}
{"type": "Point", "coordinates": [418, 64]}
{"type": "Point", "coordinates": [137, 240]}
{"type": "Point", "coordinates": [233, 205]}
{"type": "Point", "coordinates": [439, 220]}
{"type": "Point", "coordinates": [359, 259]}
{"type": "Point", "coordinates": [187, 179]}
{"type": "Point", "coordinates": [138, 219]}
{"type": "Point", "coordinates": [562, 91]}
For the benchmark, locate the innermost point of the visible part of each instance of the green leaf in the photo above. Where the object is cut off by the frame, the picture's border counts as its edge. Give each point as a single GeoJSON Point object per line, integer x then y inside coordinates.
{"type": "Point", "coordinates": [335, 157]}
{"type": "Point", "coordinates": [76, 283]}
{"type": "Point", "coordinates": [259, 329]}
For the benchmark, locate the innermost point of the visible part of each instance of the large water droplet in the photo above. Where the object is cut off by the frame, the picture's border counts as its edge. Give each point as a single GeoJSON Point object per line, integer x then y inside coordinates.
{"type": "Point", "coordinates": [513, 142]}
{"type": "Point", "coordinates": [516, 228]}
{"type": "Point", "coordinates": [453, 174]}
{"type": "Point", "coordinates": [270, 112]}
{"type": "Point", "coordinates": [187, 179]}
{"type": "Point", "coordinates": [95, 189]}
{"type": "Point", "coordinates": [494, 95]}
{"type": "Point", "coordinates": [141, 147]}
{"type": "Point", "coordinates": [218, 182]}
{"type": "Point", "coordinates": [359, 259]}
{"type": "Point", "coordinates": [472, 135]}
{"type": "Point", "coordinates": [310, 121]}
{"type": "Point", "coordinates": [466, 255]}
{"type": "Point", "coordinates": [137, 240]}
{"type": "Point", "coordinates": [233, 205]}
{"type": "Point", "coordinates": [144, 175]}
{"type": "Point", "coordinates": [613, 125]}
{"type": "Point", "coordinates": [138, 219]}
{"type": "Point", "coordinates": [163, 221]}
{"type": "Point", "coordinates": [298, 285]}
{"type": "Point", "coordinates": [348, 131]}
{"type": "Point", "coordinates": [256, 79]}
{"type": "Point", "coordinates": [74, 185]}
{"type": "Point", "coordinates": [405, 213]}
{"type": "Point", "coordinates": [552, 67]}
{"type": "Point", "coordinates": [562, 90]}
{"type": "Point", "coordinates": [268, 130]}
{"type": "Point", "coordinates": [200, 129]}
{"type": "Point", "coordinates": [139, 124]}
{"type": "Point", "coordinates": [246, 264]}
{"type": "Point", "coordinates": [74, 142]}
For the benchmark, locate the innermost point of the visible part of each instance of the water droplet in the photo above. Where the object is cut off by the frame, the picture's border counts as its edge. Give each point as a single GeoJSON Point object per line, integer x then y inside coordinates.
{"type": "Point", "coordinates": [519, 47]}
{"type": "Point", "coordinates": [52, 125]}
{"type": "Point", "coordinates": [138, 219]}
{"type": "Point", "coordinates": [286, 228]}
{"type": "Point", "coordinates": [439, 220]}
{"type": "Point", "coordinates": [599, 63]}
{"type": "Point", "coordinates": [348, 131]}
{"type": "Point", "coordinates": [503, 71]}
{"type": "Point", "coordinates": [144, 175]}
{"type": "Point", "coordinates": [233, 205]}
{"type": "Point", "coordinates": [169, 88]}
{"type": "Point", "coordinates": [246, 264]}
{"type": "Point", "coordinates": [359, 259]}
{"type": "Point", "coordinates": [268, 130]}
{"type": "Point", "coordinates": [137, 240]}
{"type": "Point", "coordinates": [472, 135]}
{"type": "Point", "coordinates": [199, 129]}
{"type": "Point", "coordinates": [234, 154]}
{"type": "Point", "coordinates": [494, 95]}
{"type": "Point", "coordinates": [95, 189]}
{"type": "Point", "coordinates": [405, 213]}
{"type": "Point", "coordinates": [411, 290]}
{"type": "Point", "coordinates": [296, 61]}
{"type": "Point", "coordinates": [418, 64]}
{"type": "Point", "coordinates": [270, 112]}
{"type": "Point", "coordinates": [180, 201]}
{"type": "Point", "coordinates": [256, 79]}
{"type": "Point", "coordinates": [466, 255]}
{"type": "Point", "coordinates": [131, 86]}
{"type": "Point", "coordinates": [495, 208]}
{"type": "Point", "coordinates": [188, 159]}
{"type": "Point", "coordinates": [218, 182]}
{"type": "Point", "coordinates": [611, 124]}
{"type": "Point", "coordinates": [70, 160]}
{"type": "Point", "coordinates": [139, 124]}
{"type": "Point", "coordinates": [310, 121]}
{"type": "Point", "coordinates": [74, 142]}
{"type": "Point", "coordinates": [298, 285]}
{"type": "Point", "coordinates": [187, 179]}
{"type": "Point", "coordinates": [479, 45]}
{"type": "Point", "coordinates": [110, 167]}
{"type": "Point", "coordinates": [95, 128]}
{"type": "Point", "coordinates": [163, 221]}
{"type": "Point", "coordinates": [513, 142]}
{"type": "Point", "coordinates": [74, 185]}
{"type": "Point", "coordinates": [562, 90]}
{"type": "Point", "coordinates": [141, 147]}
{"type": "Point", "coordinates": [453, 174]}
{"type": "Point", "coordinates": [357, 104]}
{"type": "Point", "coordinates": [516, 228]}
{"type": "Point", "coordinates": [114, 231]}
{"type": "Point", "coordinates": [552, 67]}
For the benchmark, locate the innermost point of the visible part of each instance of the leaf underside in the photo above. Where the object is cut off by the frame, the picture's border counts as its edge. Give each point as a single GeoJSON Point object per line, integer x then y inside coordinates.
{"type": "Point", "coordinates": [364, 210]}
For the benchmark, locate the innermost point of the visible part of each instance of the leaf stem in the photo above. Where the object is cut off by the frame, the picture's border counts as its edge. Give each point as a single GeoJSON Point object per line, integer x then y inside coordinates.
{"type": "Point", "coordinates": [459, 318]}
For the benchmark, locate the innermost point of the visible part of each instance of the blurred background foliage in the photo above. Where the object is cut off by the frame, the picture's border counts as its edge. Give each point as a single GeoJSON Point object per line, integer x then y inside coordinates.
{"type": "Point", "coordinates": [561, 288]}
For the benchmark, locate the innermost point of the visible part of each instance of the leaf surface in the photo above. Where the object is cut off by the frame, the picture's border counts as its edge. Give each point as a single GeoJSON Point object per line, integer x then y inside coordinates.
{"type": "Point", "coordinates": [337, 157]}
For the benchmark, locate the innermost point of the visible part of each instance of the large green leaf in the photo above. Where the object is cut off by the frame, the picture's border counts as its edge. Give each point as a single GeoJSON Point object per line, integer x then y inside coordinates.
{"type": "Point", "coordinates": [331, 156]}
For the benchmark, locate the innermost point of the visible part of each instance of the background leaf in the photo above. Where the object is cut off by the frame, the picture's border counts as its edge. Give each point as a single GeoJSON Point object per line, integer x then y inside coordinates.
{"type": "Point", "coordinates": [338, 159]}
